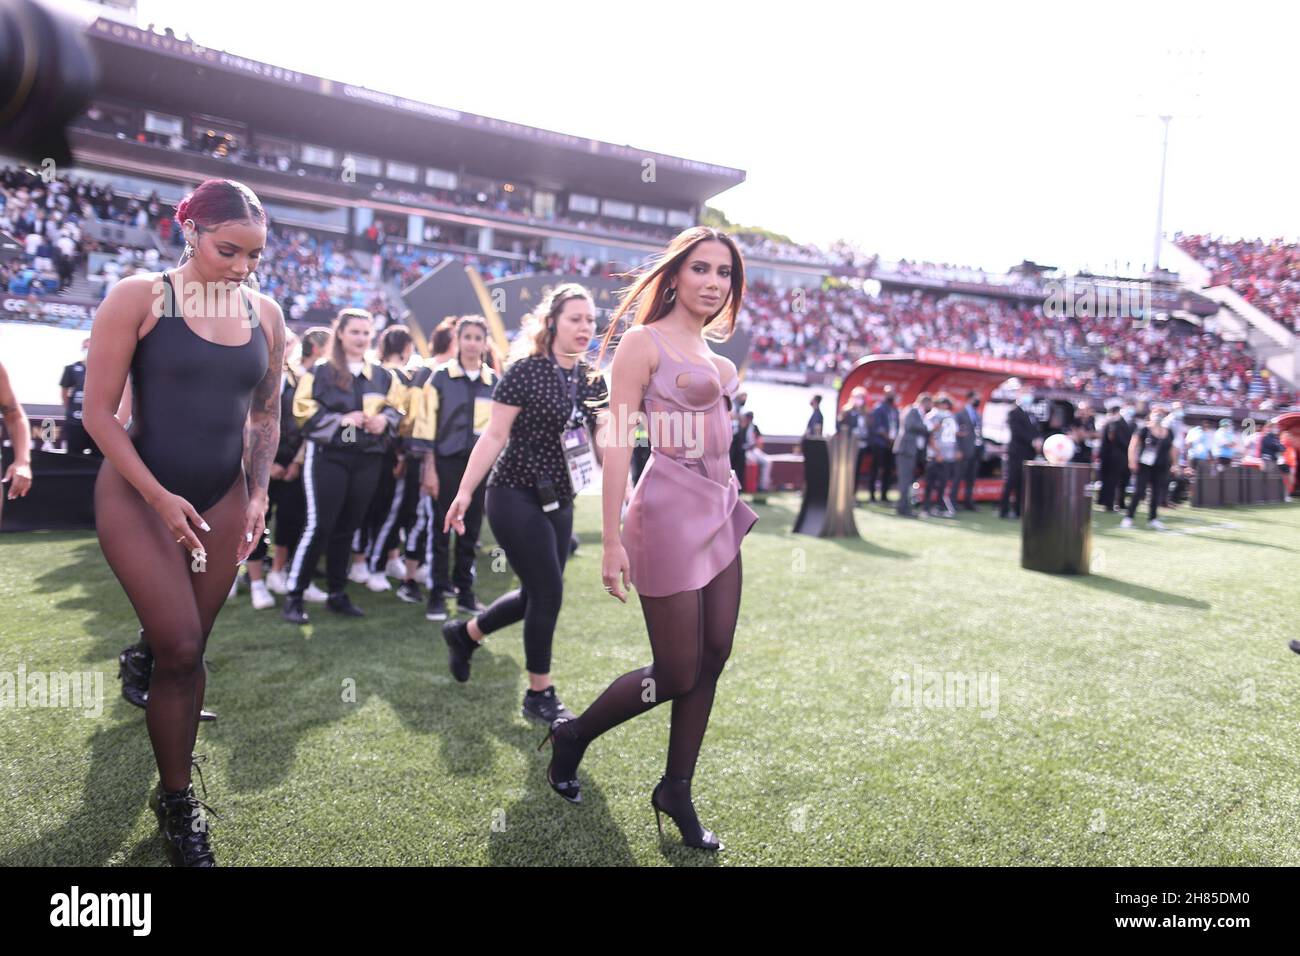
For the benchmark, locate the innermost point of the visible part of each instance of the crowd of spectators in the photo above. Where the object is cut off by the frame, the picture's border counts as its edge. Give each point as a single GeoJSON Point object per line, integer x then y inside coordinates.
{"type": "Point", "coordinates": [1265, 274]}
{"type": "Point", "coordinates": [825, 331]}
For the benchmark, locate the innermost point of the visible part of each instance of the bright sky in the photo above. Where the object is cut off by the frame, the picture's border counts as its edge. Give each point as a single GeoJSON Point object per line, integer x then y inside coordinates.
{"type": "Point", "coordinates": [973, 133]}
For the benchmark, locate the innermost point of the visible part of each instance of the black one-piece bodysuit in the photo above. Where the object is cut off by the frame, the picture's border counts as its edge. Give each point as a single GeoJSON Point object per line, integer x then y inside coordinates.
{"type": "Point", "coordinates": [190, 402]}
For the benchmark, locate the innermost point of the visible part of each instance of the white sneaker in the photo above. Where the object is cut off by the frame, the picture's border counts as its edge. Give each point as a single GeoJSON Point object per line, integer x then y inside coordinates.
{"type": "Point", "coordinates": [359, 572]}
{"type": "Point", "coordinates": [396, 569]}
{"type": "Point", "coordinates": [261, 596]}
{"type": "Point", "coordinates": [276, 583]}
{"type": "Point", "coordinates": [377, 582]}
{"type": "Point", "coordinates": [1157, 524]}
{"type": "Point", "coordinates": [315, 595]}
{"type": "Point", "coordinates": [1127, 522]}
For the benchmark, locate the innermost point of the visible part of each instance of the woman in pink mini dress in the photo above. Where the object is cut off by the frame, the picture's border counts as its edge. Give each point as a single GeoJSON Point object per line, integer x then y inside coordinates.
{"type": "Point", "coordinates": [681, 536]}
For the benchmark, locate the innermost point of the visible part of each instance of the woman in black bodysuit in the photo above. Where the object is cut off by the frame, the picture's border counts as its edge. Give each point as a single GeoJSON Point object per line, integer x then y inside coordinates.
{"type": "Point", "coordinates": [179, 501]}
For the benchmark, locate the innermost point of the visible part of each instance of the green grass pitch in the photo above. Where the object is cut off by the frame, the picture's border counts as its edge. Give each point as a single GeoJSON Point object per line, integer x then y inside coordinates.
{"type": "Point", "coordinates": [1145, 714]}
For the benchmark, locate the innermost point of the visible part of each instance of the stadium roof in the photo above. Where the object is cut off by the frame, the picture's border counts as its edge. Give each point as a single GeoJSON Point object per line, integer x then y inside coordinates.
{"type": "Point", "coordinates": [168, 73]}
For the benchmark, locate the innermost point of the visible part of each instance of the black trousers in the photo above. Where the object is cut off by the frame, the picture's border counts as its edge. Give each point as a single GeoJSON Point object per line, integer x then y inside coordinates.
{"type": "Point", "coordinates": [1158, 480]}
{"type": "Point", "coordinates": [1013, 485]}
{"type": "Point", "coordinates": [363, 538]}
{"type": "Point", "coordinates": [286, 509]}
{"type": "Point", "coordinates": [906, 475]}
{"type": "Point", "coordinates": [966, 473]}
{"type": "Point", "coordinates": [882, 470]}
{"type": "Point", "coordinates": [536, 544]}
{"type": "Point", "coordinates": [450, 472]}
{"type": "Point", "coordinates": [938, 474]}
{"type": "Point", "coordinates": [1114, 483]}
{"type": "Point", "coordinates": [857, 465]}
{"type": "Point", "coordinates": [393, 514]}
{"type": "Point", "coordinates": [640, 458]}
{"type": "Point", "coordinates": [339, 486]}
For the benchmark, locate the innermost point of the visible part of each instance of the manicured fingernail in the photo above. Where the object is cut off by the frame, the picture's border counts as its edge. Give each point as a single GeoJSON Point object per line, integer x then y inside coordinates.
{"type": "Point", "coordinates": [248, 536]}
{"type": "Point", "coordinates": [205, 526]}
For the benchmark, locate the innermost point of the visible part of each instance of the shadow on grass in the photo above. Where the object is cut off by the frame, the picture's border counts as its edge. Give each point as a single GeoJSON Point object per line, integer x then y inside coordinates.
{"type": "Point", "coordinates": [861, 545]}
{"type": "Point", "coordinates": [275, 686]}
{"type": "Point", "coordinates": [1252, 544]}
{"type": "Point", "coordinates": [116, 789]}
{"type": "Point", "coordinates": [1136, 592]}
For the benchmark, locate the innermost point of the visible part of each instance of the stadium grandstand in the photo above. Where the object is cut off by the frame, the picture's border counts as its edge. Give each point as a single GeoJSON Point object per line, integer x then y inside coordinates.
{"type": "Point", "coordinates": [368, 192]}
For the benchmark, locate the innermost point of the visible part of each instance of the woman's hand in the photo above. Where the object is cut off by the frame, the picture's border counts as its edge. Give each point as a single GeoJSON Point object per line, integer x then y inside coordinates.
{"type": "Point", "coordinates": [254, 526]}
{"type": "Point", "coordinates": [293, 472]}
{"type": "Point", "coordinates": [429, 479]}
{"type": "Point", "coordinates": [19, 479]}
{"type": "Point", "coordinates": [181, 519]}
{"type": "Point", "coordinates": [613, 567]}
{"type": "Point", "coordinates": [456, 513]}
{"type": "Point", "coordinates": [356, 419]}
{"type": "Point", "coordinates": [277, 472]}
{"type": "Point", "coordinates": [399, 470]}
{"type": "Point", "coordinates": [375, 424]}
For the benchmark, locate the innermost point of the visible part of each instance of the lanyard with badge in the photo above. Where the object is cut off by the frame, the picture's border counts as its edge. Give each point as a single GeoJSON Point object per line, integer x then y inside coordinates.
{"type": "Point", "coordinates": [575, 441]}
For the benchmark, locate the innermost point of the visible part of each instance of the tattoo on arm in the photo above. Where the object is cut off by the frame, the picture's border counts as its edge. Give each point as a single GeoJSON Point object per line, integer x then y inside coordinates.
{"type": "Point", "coordinates": [264, 417]}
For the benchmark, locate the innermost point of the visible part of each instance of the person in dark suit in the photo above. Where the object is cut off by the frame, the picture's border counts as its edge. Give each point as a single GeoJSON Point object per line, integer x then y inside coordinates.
{"type": "Point", "coordinates": [909, 448]}
{"type": "Point", "coordinates": [815, 421]}
{"type": "Point", "coordinates": [1022, 447]}
{"type": "Point", "coordinates": [1116, 434]}
{"type": "Point", "coordinates": [882, 432]}
{"type": "Point", "coordinates": [970, 441]}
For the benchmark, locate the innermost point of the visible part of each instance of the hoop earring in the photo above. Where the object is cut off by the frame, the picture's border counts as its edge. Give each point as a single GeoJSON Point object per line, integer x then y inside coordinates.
{"type": "Point", "coordinates": [670, 296]}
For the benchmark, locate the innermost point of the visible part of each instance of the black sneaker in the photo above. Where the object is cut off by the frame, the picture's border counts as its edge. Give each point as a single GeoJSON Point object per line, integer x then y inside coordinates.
{"type": "Point", "coordinates": [544, 707]}
{"type": "Point", "coordinates": [460, 647]}
{"type": "Point", "coordinates": [467, 603]}
{"type": "Point", "coordinates": [340, 603]}
{"type": "Point", "coordinates": [436, 609]}
{"type": "Point", "coordinates": [293, 611]}
{"type": "Point", "coordinates": [410, 592]}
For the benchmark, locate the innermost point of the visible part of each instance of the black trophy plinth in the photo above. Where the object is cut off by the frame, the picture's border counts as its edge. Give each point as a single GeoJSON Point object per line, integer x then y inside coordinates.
{"type": "Point", "coordinates": [1056, 523]}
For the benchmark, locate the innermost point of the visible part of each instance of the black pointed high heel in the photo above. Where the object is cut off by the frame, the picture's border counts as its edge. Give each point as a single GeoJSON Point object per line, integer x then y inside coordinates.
{"type": "Point", "coordinates": [688, 824]}
{"type": "Point", "coordinates": [570, 790]}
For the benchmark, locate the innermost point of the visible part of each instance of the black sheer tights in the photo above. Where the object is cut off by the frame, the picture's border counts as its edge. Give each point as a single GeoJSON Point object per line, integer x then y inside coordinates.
{"type": "Point", "coordinates": [176, 599]}
{"type": "Point", "coordinates": [690, 636]}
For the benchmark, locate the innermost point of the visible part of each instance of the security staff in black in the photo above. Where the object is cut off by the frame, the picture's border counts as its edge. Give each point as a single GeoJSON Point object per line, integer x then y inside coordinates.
{"type": "Point", "coordinates": [451, 409]}
{"type": "Point", "coordinates": [73, 384]}
{"type": "Point", "coordinates": [349, 410]}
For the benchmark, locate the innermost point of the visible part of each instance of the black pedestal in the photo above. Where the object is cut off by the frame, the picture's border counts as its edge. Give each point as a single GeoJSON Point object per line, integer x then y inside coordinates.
{"type": "Point", "coordinates": [62, 496]}
{"type": "Point", "coordinates": [1056, 524]}
{"type": "Point", "coordinates": [828, 487]}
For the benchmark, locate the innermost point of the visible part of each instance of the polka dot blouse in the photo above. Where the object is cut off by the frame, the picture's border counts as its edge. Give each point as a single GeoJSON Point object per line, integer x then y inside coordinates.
{"type": "Point", "coordinates": [533, 450]}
